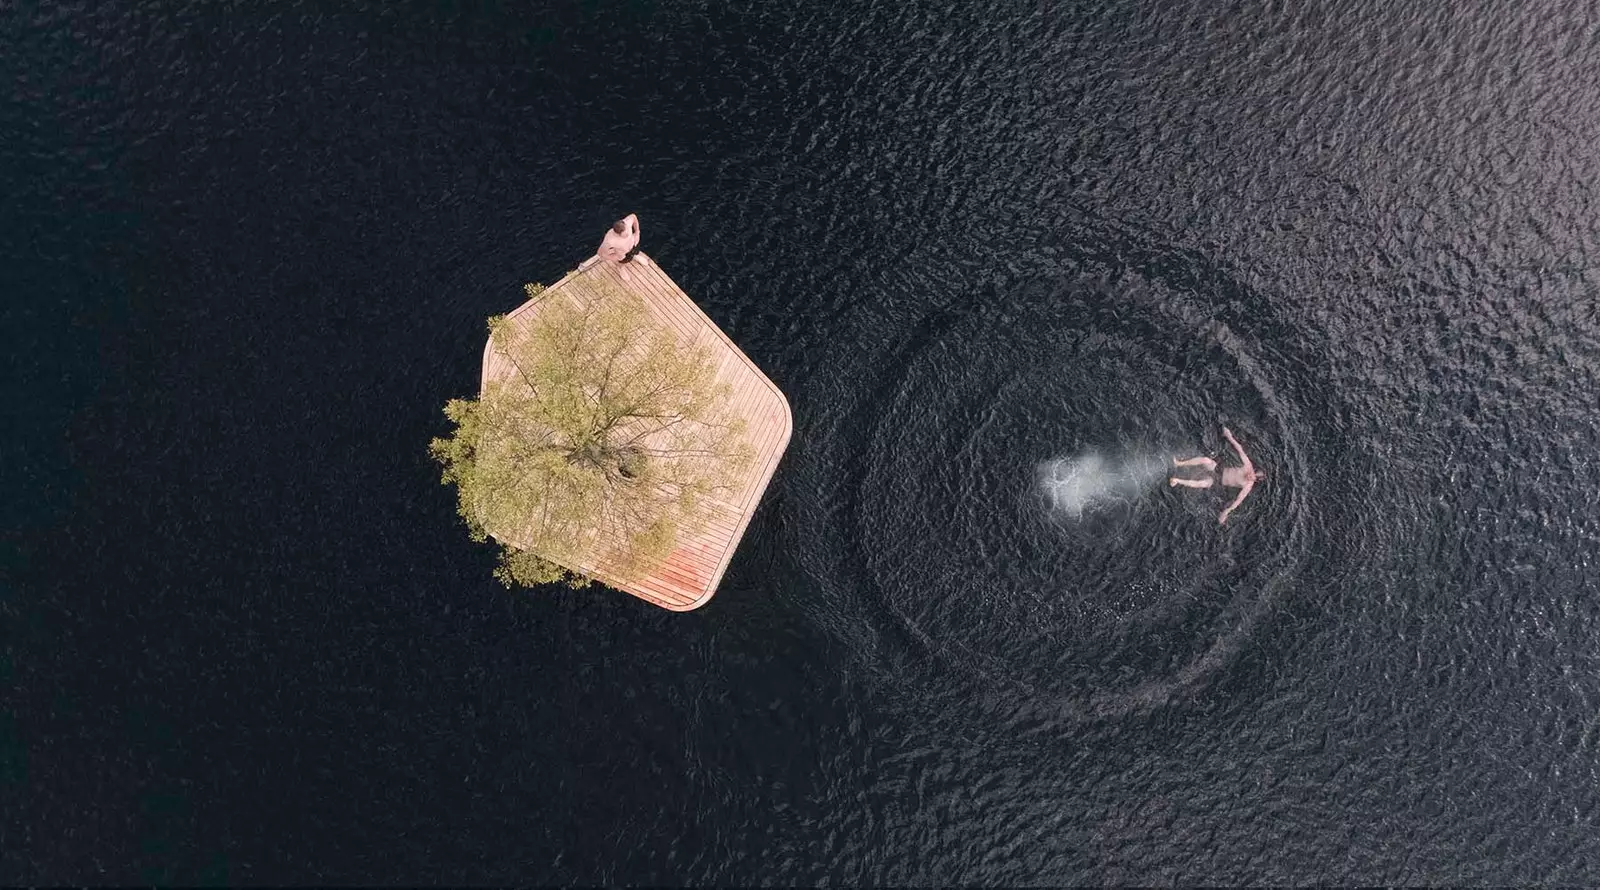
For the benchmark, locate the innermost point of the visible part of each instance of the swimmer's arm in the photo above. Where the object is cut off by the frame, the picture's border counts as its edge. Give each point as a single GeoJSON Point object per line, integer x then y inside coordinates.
{"type": "Point", "coordinates": [1243, 491]}
{"type": "Point", "coordinates": [1243, 458]}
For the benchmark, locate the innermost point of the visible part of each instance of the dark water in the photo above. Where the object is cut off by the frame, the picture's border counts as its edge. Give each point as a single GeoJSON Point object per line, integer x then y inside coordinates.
{"type": "Point", "coordinates": [247, 255]}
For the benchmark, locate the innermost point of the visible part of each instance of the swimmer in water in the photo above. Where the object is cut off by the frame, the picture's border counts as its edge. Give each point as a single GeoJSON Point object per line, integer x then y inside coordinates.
{"type": "Point", "coordinates": [1242, 477]}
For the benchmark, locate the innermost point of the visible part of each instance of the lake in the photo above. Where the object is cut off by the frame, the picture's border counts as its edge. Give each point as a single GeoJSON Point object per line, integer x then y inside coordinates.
{"type": "Point", "coordinates": [1006, 261]}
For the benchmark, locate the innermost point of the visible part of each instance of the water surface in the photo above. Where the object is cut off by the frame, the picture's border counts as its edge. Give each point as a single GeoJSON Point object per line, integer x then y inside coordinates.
{"type": "Point", "coordinates": [248, 254]}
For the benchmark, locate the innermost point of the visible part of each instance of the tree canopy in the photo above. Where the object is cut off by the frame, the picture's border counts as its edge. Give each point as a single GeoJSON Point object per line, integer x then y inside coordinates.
{"type": "Point", "coordinates": [607, 441]}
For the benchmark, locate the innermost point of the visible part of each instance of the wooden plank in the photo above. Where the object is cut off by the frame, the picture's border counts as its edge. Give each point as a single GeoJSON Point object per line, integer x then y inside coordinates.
{"type": "Point", "coordinates": [689, 576]}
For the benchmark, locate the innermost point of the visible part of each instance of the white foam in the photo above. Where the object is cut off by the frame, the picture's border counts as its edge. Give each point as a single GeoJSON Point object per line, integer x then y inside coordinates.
{"type": "Point", "coordinates": [1090, 481]}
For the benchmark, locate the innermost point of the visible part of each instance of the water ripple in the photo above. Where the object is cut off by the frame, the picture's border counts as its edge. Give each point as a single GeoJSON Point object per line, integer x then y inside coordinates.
{"type": "Point", "coordinates": [968, 587]}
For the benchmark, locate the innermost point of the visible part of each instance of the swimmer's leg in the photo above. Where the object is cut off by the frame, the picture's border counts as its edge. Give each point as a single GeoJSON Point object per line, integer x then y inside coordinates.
{"type": "Point", "coordinates": [1190, 483]}
{"type": "Point", "coordinates": [1206, 462]}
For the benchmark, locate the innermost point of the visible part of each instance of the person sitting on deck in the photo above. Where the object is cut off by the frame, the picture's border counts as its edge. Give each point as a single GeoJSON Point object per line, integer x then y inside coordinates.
{"type": "Point", "coordinates": [621, 240]}
{"type": "Point", "coordinates": [1242, 477]}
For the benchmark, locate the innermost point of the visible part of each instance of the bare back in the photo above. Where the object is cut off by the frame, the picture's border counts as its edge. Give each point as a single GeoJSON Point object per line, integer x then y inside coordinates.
{"type": "Point", "coordinates": [615, 246]}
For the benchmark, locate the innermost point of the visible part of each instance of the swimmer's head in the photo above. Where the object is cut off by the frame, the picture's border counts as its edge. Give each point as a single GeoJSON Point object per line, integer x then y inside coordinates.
{"type": "Point", "coordinates": [619, 226]}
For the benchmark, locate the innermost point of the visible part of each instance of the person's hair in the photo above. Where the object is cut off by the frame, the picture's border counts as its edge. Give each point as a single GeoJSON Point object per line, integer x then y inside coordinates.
{"type": "Point", "coordinates": [619, 226]}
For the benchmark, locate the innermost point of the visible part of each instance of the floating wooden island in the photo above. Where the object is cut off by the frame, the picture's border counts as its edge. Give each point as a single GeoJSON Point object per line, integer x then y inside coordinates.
{"type": "Point", "coordinates": [690, 574]}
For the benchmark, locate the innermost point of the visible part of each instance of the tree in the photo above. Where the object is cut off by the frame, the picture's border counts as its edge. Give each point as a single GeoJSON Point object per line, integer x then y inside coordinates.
{"type": "Point", "coordinates": [607, 441]}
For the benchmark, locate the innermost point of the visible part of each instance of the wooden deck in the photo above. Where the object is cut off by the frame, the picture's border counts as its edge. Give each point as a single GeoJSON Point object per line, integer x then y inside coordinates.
{"type": "Point", "coordinates": [691, 572]}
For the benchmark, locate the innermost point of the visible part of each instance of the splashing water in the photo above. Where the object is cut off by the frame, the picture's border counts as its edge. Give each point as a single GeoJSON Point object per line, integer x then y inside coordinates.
{"type": "Point", "coordinates": [1091, 481]}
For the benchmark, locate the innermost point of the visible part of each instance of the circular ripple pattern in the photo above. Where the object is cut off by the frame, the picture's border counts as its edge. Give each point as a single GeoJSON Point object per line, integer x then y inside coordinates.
{"type": "Point", "coordinates": [945, 561]}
